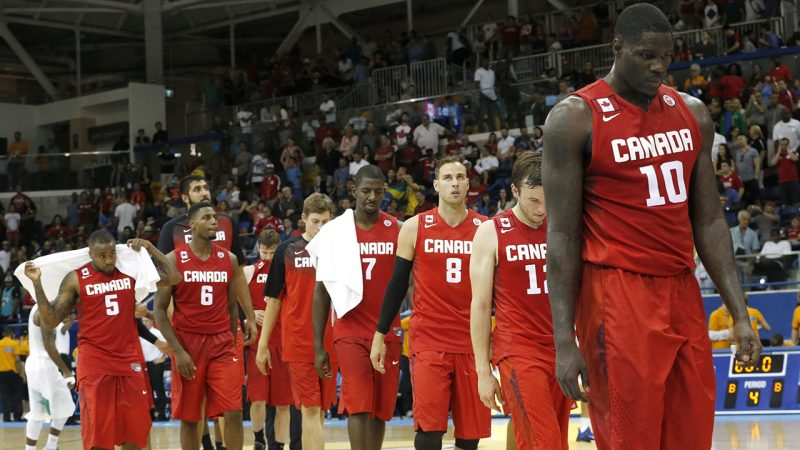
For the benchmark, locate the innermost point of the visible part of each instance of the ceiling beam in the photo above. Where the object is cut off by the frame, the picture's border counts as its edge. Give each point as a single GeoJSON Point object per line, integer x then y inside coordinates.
{"type": "Point", "coordinates": [169, 6]}
{"type": "Point", "coordinates": [218, 3]}
{"type": "Point", "coordinates": [73, 27]}
{"type": "Point", "coordinates": [55, 9]}
{"type": "Point", "coordinates": [296, 32]}
{"type": "Point", "coordinates": [26, 59]}
{"type": "Point", "coordinates": [121, 21]}
{"type": "Point", "coordinates": [39, 14]}
{"type": "Point", "coordinates": [112, 4]}
{"type": "Point", "coordinates": [237, 20]}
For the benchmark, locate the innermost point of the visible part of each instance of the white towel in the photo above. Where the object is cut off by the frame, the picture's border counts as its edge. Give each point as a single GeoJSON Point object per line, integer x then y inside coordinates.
{"type": "Point", "coordinates": [55, 267]}
{"type": "Point", "coordinates": [334, 251]}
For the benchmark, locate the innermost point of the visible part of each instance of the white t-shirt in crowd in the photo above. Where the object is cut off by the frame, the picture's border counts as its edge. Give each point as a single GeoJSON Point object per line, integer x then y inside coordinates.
{"type": "Point", "coordinates": [12, 221]}
{"type": "Point", "coordinates": [258, 165]}
{"type": "Point", "coordinates": [355, 166]}
{"type": "Point", "coordinates": [775, 250]}
{"type": "Point", "coordinates": [126, 213]}
{"type": "Point", "coordinates": [455, 42]}
{"type": "Point", "coordinates": [504, 145]}
{"type": "Point", "coordinates": [789, 130]}
{"type": "Point", "coordinates": [329, 109]}
{"type": "Point", "coordinates": [429, 137]}
{"type": "Point", "coordinates": [489, 30]}
{"type": "Point", "coordinates": [401, 133]}
{"type": "Point", "coordinates": [245, 119]}
{"type": "Point", "coordinates": [487, 163]}
{"type": "Point", "coordinates": [486, 79]}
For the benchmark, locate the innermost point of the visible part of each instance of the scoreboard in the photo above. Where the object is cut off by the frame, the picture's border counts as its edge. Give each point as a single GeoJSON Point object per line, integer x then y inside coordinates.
{"type": "Point", "coordinates": [770, 387]}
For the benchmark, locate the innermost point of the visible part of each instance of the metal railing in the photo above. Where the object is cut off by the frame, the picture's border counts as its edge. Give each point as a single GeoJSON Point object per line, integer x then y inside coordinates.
{"type": "Point", "coordinates": [692, 37]}
{"type": "Point", "coordinates": [760, 272]}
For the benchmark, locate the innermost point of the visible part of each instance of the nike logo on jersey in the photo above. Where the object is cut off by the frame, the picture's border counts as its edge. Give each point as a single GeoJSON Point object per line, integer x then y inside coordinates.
{"type": "Point", "coordinates": [505, 230]}
{"type": "Point", "coordinates": [144, 392]}
{"type": "Point", "coordinates": [394, 363]}
{"type": "Point", "coordinates": [428, 225]}
{"type": "Point", "coordinates": [297, 253]}
{"type": "Point", "coordinates": [611, 117]}
{"type": "Point", "coordinates": [235, 359]}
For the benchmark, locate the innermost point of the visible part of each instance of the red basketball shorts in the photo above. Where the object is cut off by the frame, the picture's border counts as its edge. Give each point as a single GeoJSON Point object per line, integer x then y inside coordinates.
{"type": "Point", "coordinates": [441, 380]}
{"type": "Point", "coordinates": [536, 402]}
{"type": "Point", "coordinates": [114, 410]}
{"type": "Point", "coordinates": [217, 379]}
{"type": "Point", "coordinates": [363, 389]}
{"type": "Point", "coordinates": [651, 376]}
{"type": "Point", "coordinates": [274, 387]}
{"type": "Point", "coordinates": [308, 389]}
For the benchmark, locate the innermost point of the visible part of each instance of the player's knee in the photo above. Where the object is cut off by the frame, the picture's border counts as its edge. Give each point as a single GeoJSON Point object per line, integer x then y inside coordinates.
{"type": "Point", "coordinates": [233, 415]}
{"type": "Point", "coordinates": [428, 440]}
{"type": "Point", "coordinates": [467, 444]}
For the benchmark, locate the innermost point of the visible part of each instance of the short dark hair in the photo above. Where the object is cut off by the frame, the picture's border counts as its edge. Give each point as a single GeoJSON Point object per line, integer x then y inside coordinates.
{"type": "Point", "coordinates": [635, 20]}
{"type": "Point", "coordinates": [527, 170]}
{"type": "Point", "coordinates": [187, 180]}
{"type": "Point", "coordinates": [197, 207]}
{"type": "Point", "coordinates": [371, 172]}
{"type": "Point", "coordinates": [269, 238]}
{"type": "Point", "coordinates": [101, 236]}
{"type": "Point", "coordinates": [447, 160]}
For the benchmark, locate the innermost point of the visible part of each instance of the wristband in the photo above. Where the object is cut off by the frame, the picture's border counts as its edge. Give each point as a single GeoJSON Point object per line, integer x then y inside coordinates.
{"type": "Point", "coordinates": [69, 380]}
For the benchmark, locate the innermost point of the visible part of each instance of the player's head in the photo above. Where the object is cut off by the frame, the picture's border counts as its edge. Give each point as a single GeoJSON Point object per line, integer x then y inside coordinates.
{"type": "Point", "coordinates": [451, 180]}
{"type": "Point", "coordinates": [369, 189]}
{"type": "Point", "coordinates": [318, 210]}
{"type": "Point", "coordinates": [103, 251]}
{"type": "Point", "coordinates": [642, 48]}
{"type": "Point", "coordinates": [268, 241]}
{"type": "Point", "coordinates": [194, 189]}
{"type": "Point", "coordinates": [526, 186]}
{"type": "Point", "coordinates": [203, 221]}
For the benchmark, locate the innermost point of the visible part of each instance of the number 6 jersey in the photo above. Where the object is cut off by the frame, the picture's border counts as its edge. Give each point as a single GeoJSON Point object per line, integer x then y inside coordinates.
{"type": "Point", "coordinates": [636, 186]}
{"type": "Point", "coordinates": [442, 290]}
{"type": "Point", "coordinates": [201, 298]}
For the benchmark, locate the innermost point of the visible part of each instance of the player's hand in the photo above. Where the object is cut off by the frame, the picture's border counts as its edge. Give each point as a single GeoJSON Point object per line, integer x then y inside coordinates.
{"type": "Point", "coordinates": [378, 352]}
{"type": "Point", "coordinates": [185, 364]}
{"type": "Point", "coordinates": [138, 244]}
{"type": "Point", "coordinates": [489, 390]}
{"type": "Point", "coordinates": [263, 359]}
{"type": "Point", "coordinates": [748, 346]}
{"type": "Point", "coordinates": [32, 272]}
{"type": "Point", "coordinates": [162, 346]}
{"type": "Point", "coordinates": [250, 332]}
{"type": "Point", "coordinates": [570, 365]}
{"type": "Point", "coordinates": [259, 317]}
{"type": "Point", "coordinates": [69, 379]}
{"type": "Point", "coordinates": [323, 363]}
{"type": "Point", "coordinates": [140, 311]}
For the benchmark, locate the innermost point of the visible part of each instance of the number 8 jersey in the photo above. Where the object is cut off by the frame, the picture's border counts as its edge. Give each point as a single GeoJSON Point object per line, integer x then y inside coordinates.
{"type": "Point", "coordinates": [636, 186]}
{"type": "Point", "coordinates": [201, 298]}
{"type": "Point", "coordinates": [442, 290]}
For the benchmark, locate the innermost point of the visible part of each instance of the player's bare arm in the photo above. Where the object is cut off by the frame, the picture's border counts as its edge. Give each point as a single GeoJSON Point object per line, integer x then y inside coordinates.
{"type": "Point", "coordinates": [233, 308]}
{"type": "Point", "coordinates": [167, 271]}
{"type": "Point", "coordinates": [52, 313]}
{"type": "Point", "coordinates": [161, 304]}
{"type": "Point", "coordinates": [481, 274]}
{"type": "Point", "coordinates": [320, 312]}
{"type": "Point", "coordinates": [49, 341]}
{"type": "Point", "coordinates": [713, 240]}
{"type": "Point", "coordinates": [242, 296]}
{"type": "Point", "coordinates": [271, 314]}
{"type": "Point", "coordinates": [568, 129]}
{"type": "Point", "coordinates": [395, 291]}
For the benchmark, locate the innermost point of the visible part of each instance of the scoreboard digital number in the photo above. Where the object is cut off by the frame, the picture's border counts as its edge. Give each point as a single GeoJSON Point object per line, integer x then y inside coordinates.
{"type": "Point", "coordinates": [769, 387]}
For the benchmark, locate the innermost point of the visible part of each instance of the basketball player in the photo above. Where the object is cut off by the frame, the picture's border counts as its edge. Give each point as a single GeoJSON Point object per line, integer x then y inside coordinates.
{"type": "Point", "coordinates": [508, 265]}
{"type": "Point", "coordinates": [203, 331]}
{"type": "Point", "coordinates": [627, 162]}
{"type": "Point", "coordinates": [368, 397]}
{"type": "Point", "coordinates": [176, 232]}
{"type": "Point", "coordinates": [437, 244]}
{"type": "Point", "coordinates": [290, 293]}
{"type": "Point", "coordinates": [49, 384]}
{"type": "Point", "coordinates": [110, 365]}
{"type": "Point", "coordinates": [272, 388]}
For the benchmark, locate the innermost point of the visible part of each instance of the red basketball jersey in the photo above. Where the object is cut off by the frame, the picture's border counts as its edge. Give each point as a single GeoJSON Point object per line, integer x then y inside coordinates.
{"type": "Point", "coordinates": [201, 298]}
{"type": "Point", "coordinates": [636, 187]}
{"type": "Point", "coordinates": [377, 247]}
{"type": "Point", "coordinates": [295, 287]}
{"type": "Point", "coordinates": [108, 342]}
{"type": "Point", "coordinates": [524, 324]}
{"type": "Point", "coordinates": [257, 284]}
{"type": "Point", "coordinates": [442, 290]}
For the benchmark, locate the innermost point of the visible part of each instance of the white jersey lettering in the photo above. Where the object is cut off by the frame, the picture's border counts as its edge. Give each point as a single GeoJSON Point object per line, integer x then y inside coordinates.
{"type": "Point", "coordinates": [638, 148]}
{"type": "Point", "coordinates": [111, 286]}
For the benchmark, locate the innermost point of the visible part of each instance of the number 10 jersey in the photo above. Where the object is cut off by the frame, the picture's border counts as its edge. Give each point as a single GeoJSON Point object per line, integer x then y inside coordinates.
{"type": "Point", "coordinates": [201, 298]}
{"type": "Point", "coordinates": [637, 184]}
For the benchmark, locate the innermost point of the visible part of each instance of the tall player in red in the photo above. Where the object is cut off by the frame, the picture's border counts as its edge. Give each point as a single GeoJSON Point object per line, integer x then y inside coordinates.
{"type": "Point", "coordinates": [631, 190]}
{"type": "Point", "coordinates": [508, 265]}
{"type": "Point", "coordinates": [273, 387]}
{"type": "Point", "coordinates": [368, 397]}
{"type": "Point", "coordinates": [115, 399]}
{"type": "Point", "coordinates": [290, 293]}
{"type": "Point", "coordinates": [203, 331]}
{"type": "Point", "coordinates": [437, 244]}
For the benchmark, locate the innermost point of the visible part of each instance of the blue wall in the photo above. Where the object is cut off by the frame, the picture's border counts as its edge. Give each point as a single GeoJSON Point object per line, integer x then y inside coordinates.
{"type": "Point", "coordinates": [777, 308]}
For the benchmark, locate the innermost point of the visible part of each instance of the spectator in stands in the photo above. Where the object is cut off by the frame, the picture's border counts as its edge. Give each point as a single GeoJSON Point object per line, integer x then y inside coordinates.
{"type": "Point", "coordinates": [730, 179]}
{"type": "Point", "coordinates": [733, 43]}
{"type": "Point", "coordinates": [428, 134]}
{"type": "Point", "coordinates": [166, 161]}
{"type": "Point", "coordinates": [26, 208]}
{"type": "Point", "coordinates": [267, 220]}
{"type": "Point", "coordinates": [745, 240]}
{"type": "Point", "coordinates": [294, 175]}
{"type": "Point", "coordinates": [768, 39]}
{"type": "Point", "coordinates": [705, 47]}
{"type": "Point", "coordinates": [5, 255]}
{"type": "Point", "coordinates": [724, 155]}
{"type": "Point", "coordinates": [755, 113]}
{"type": "Point", "coordinates": [17, 153]}
{"type": "Point", "coordinates": [9, 300]}
{"type": "Point", "coordinates": [754, 9]}
{"type": "Point", "coordinates": [504, 200]}
{"type": "Point", "coordinates": [457, 48]}
{"type": "Point", "coordinates": [765, 220]}
{"type": "Point", "coordinates": [780, 71]}
{"type": "Point", "coordinates": [258, 166]}
{"type": "Point", "coordinates": [509, 36]}
{"type": "Point", "coordinates": [788, 128]}
{"type": "Point", "coordinates": [786, 161]}
{"type": "Point", "coordinates": [141, 139]}
{"type": "Point", "coordinates": [87, 209]}
{"type": "Point", "coordinates": [787, 97]}
{"type": "Point", "coordinates": [357, 163]}
{"type": "Point", "coordinates": [11, 220]}
{"type": "Point", "coordinates": [771, 262]}
{"type": "Point", "coordinates": [288, 204]}
{"type": "Point", "coordinates": [732, 82]}
{"type": "Point", "coordinates": [291, 150]}
{"type": "Point", "coordinates": [485, 78]}
{"type": "Point", "coordinates": [349, 142]}
{"type": "Point", "coordinates": [385, 154]}
{"type": "Point", "coordinates": [11, 385]}
{"type": "Point", "coordinates": [680, 51]}
{"type": "Point", "coordinates": [124, 214]}
{"type": "Point", "coordinates": [486, 165]}
{"type": "Point", "coordinates": [328, 108]}
{"type": "Point", "coordinates": [230, 195]}
{"type": "Point", "coordinates": [748, 166]}
{"type": "Point", "coordinates": [241, 165]}
{"type": "Point", "coordinates": [711, 15]}
{"type": "Point", "coordinates": [539, 108]}
{"type": "Point", "coordinates": [523, 141]}
{"type": "Point", "coordinates": [773, 113]}
{"type": "Point", "coordinates": [730, 118]}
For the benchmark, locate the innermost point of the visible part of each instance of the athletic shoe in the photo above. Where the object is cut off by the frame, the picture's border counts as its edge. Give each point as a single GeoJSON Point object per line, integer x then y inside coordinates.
{"type": "Point", "coordinates": [259, 446]}
{"type": "Point", "coordinates": [585, 435]}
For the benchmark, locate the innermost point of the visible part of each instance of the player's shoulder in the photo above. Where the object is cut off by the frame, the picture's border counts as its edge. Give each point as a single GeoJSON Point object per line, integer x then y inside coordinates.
{"type": "Point", "coordinates": [475, 218]}
{"type": "Point", "coordinates": [281, 249]}
{"type": "Point", "coordinates": [567, 113]}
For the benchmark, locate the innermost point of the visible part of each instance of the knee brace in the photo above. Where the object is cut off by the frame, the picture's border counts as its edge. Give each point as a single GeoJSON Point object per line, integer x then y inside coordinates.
{"type": "Point", "coordinates": [58, 424]}
{"type": "Point", "coordinates": [428, 440]}
{"type": "Point", "coordinates": [467, 444]}
{"type": "Point", "coordinates": [33, 428]}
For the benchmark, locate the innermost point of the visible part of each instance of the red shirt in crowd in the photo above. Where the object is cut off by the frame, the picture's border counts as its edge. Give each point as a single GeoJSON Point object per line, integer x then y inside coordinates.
{"type": "Point", "coordinates": [787, 170]}
{"type": "Point", "coordinates": [269, 222]}
{"type": "Point", "coordinates": [782, 72]}
{"type": "Point", "coordinates": [270, 187]}
{"type": "Point", "coordinates": [732, 181]}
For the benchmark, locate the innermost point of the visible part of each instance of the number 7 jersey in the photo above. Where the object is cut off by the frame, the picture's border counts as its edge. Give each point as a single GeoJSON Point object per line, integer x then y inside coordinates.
{"type": "Point", "coordinates": [636, 186]}
{"type": "Point", "coordinates": [442, 290]}
{"type": "Point", "coordinates": [201, 298]}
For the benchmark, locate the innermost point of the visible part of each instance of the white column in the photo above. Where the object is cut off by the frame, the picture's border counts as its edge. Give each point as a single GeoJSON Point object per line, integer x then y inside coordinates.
{"type": "Point", "coordinates": [410, 15]}
{"type": "Point", "coordinates": [232, 39]}
{"type": "Point", "coordinates": [78, 75]}
{"type": "Point", "coordinates": [513, 8]}
{"type": "Point", "coordinates": [153, 42]}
